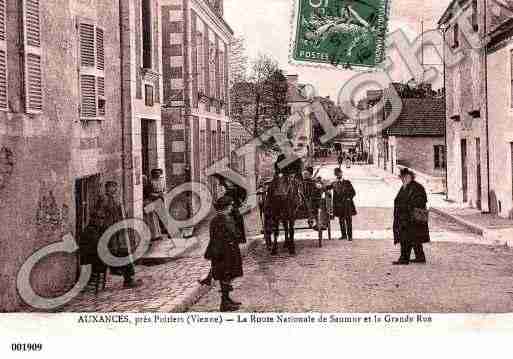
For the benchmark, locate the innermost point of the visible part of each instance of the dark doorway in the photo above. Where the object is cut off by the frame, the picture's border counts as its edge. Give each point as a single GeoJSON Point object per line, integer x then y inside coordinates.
{"type": "Point", "coordinates": [87, 190]}
{"type": "Point", "coordinates": [145, 150]}
{"type": "Point", "coordinates": [478, 173]}
{"type": "Point", "coordinates": [464, 181]}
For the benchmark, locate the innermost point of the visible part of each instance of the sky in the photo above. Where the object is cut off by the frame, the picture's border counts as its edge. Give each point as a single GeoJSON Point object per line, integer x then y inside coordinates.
{"type": "Point", "coordinates": [265, 25]}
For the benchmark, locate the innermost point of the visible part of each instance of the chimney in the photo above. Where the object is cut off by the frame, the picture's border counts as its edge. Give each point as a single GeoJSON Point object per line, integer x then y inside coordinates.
{"type": "Point", "coordinates": [220, 7]}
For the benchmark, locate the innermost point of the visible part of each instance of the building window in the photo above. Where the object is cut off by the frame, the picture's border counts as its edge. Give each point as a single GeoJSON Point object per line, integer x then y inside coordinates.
{"type": "Point", "coordinates": [199, 68]}
{"type": "Point", "coordinates": [176, 72]}
{"type": "Point", "coordinates": [148, 95]}
{"type": "Point", "coordinates": [439, 157]}
{"type": "Point", "coordinates": [146, 33]}
{"type": "Point", "coordinates": [32, 56]}
{"type": "Point", "coordinates": [511, 76]}
{"type": "Point", "coordinates": [92, 72]}
{"type": "Point", "coordinates": [212, 70]}
{"type": "Point", "coordinates": [175, 50]}
{"type": "Point", "coordinates": [455, 34]}
{"type": "Point", "coordinates": [176, 27]}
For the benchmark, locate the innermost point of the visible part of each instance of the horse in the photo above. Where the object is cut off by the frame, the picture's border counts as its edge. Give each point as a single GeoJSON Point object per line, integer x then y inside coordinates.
{"type": "Point", "coordinates": [284, 197]}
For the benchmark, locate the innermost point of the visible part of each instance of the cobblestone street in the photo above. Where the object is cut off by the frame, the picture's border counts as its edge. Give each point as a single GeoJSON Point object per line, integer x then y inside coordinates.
{"type": "Point", "coordinates": [461, 275]}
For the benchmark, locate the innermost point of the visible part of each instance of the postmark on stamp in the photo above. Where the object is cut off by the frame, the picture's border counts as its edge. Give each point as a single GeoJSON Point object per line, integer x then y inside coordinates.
{"type": "Point", "coordinates": [341, 33]}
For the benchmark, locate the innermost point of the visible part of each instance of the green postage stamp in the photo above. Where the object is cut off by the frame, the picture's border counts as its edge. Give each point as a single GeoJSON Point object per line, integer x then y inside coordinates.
{"type": "Point", "coordinates": [341, 33]}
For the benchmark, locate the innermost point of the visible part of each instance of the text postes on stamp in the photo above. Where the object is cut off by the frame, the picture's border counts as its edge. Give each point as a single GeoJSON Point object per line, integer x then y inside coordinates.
{"type": "Point", "coordinates": [340, 32]}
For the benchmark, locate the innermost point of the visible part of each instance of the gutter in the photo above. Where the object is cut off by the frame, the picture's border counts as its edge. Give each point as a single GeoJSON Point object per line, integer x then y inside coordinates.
{"type": "Point", "coordinates": [486, 105]}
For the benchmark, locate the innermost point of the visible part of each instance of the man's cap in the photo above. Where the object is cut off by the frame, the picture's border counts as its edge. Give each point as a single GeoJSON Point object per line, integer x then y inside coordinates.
{"type": "Point", "coordinates": [405, 172]}
{"type": "Point", "coordinates": [223, 203]}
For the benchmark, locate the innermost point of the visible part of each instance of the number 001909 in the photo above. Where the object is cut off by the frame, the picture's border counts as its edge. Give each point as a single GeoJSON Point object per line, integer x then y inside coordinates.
{"type": "Point", "coordinates": [26, 347]}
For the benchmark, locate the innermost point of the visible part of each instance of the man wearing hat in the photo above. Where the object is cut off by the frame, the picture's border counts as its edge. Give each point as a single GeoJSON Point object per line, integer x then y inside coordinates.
{"type": "Point", "coordinates": [223, 251]}
{"type": "Point", "coordinates": [121, 245]}
{"type": "Point", "coordinates": [411, 228]}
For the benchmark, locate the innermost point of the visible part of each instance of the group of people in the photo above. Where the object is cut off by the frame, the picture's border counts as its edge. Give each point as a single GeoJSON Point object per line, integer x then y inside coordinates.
{"type": "Point", "coordinates": [410, 224]}
{"type": "Point", "coordinates": [109, 210]}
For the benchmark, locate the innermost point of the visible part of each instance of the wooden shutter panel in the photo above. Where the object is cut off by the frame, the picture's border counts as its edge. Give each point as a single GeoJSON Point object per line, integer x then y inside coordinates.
{"type": "Point", "coordinates": [3, 58]}
{"type": "Point", "coordinates": [100, 86]}
{"type": "Point", "coordinates": [32, 57]}
{"type": "Point", "coordinates": [88, 96]}
{"type": "Point", "coordinates": [86, 45]}
{"type": "Point", "coordinates": [92, 76]}
{"type": "Point", "coordinates": [100, 53]}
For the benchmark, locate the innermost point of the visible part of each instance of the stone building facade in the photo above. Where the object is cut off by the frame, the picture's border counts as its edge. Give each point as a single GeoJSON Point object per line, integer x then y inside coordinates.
{"type": "Point", "coordinates": [466, 113]}
{"type": "Point", "coordinates": [195, 113]}
{"type": "Point", "coordinates": [500, 110]}
{"type": "Point", "coordinates": [71, 100]}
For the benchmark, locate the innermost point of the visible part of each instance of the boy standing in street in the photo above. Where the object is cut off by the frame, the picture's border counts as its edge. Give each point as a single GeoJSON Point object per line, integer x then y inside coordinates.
{"type": "Point", "coordinates": [223, 251]}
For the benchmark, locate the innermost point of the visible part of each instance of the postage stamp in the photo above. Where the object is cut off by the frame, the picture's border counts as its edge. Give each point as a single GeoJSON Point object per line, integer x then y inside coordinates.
{"type": "Point", "coordinates": [340, 33]}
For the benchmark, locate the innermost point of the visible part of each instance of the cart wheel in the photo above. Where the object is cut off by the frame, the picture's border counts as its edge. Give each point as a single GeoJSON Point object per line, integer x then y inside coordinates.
{"type": "Point", "coordinates": [329, 228]}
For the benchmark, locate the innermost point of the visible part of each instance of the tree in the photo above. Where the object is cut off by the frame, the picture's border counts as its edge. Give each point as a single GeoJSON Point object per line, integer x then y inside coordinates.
{"type": "Point", "coordinates": [260, 102]}
{"type": "Point", "coordinates": [238, 61]}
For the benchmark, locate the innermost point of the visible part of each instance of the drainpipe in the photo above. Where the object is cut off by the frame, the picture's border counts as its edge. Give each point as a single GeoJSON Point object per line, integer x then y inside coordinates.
{"type": "Point", "coordinates": [122, 102]}
{"type": "Point", "coordinates": [486, 106]}
{"type": "Point", "coordinates": [446, 151]}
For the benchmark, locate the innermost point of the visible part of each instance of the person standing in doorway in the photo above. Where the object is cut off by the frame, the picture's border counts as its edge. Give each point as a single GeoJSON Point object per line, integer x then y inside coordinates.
{"type": "Point", "coordinates": [121, 245]}
{"type": "Point", "coordinates": [410, 227]}
{"type": "Point", "coordinates": [343, 204]}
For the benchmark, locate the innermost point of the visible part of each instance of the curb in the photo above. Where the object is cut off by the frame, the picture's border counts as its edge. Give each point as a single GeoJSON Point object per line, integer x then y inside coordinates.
{"type": "Point", "coordinates": [474, 228]}
{"type": "Point", "coordinates": [191, 296]}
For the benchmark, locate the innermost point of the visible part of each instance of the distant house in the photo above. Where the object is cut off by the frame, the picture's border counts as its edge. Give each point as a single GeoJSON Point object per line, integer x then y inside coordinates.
{"type": "Point", "coordinates": [416, 141]}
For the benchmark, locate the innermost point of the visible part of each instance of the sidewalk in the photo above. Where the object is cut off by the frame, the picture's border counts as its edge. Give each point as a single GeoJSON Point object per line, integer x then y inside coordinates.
{"type": "Point", "coordinates": [492, 228]}
{"type": "Point", "coordinates": [168, 287]}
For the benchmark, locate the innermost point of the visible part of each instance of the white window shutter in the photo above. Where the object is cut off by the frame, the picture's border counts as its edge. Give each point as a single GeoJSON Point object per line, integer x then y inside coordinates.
{"type": "Point", "coordinates": [100, 53]}
{"type": "Point", "coordinates": [3, 58]}
{"type": "Point", "coordinates": [86, 45]}
{"type": "Point", "coordinates": [32, 57]}
{"type": "Point", "coordinates": [92, 76]}
{"type": "Point", "coordinates": [88, 96]}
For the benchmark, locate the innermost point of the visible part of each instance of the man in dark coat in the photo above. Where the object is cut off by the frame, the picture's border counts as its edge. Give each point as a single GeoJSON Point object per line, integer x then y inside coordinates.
{"type": "Point", "coordinates": [409, 231]}
{"type": "Point", "coordinates": [88, 242]}
{"type": "Point", "coordinates": [121, 245]}
{"type": "Point", "coordinates": [294, 168]}
{"type": "Point", "coordinates": [343, 204]}
{"type": "Point", "coordinates": [223, 251]}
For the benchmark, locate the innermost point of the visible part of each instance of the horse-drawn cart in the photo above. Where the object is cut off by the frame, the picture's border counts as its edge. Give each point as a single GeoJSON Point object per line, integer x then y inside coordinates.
{"type": "Point", "coordinates": [302, 200]}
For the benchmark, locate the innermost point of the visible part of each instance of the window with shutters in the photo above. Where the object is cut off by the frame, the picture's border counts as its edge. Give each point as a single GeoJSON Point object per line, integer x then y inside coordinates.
{"type": "Point", "coordinates": [212, 69]}
{"type": "Point", "coordinates": [200, 64]}
{"type": "Point", "coordinates": [439, 156]}
{"type": "Point", "coordinates": [32, 75]}
{"type": "Point", "coordinates": [147, 32]}
{"type": "Point", "coordinates": [221, 76]}
{"type": "Point", "coordinates": [4, 98]}
{"type": "Point", "coordinates": [92, 71]}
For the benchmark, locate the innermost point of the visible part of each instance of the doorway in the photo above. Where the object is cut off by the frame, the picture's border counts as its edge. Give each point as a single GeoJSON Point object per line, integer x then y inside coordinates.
{"type": "Point", "coordinates": [464, 180]}
{"type": "Point", "coordinates": [87, 190]}
{"type": "Point", "coordinates": [149, 157]}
